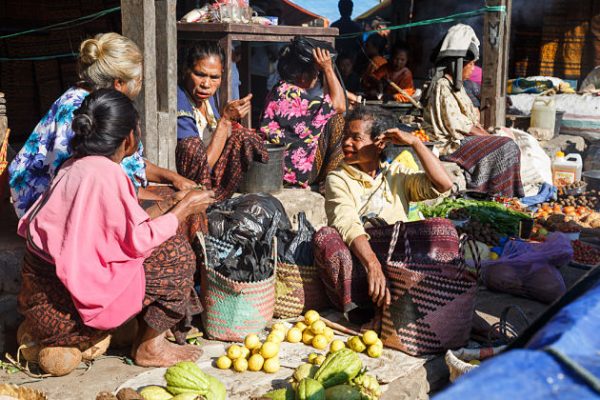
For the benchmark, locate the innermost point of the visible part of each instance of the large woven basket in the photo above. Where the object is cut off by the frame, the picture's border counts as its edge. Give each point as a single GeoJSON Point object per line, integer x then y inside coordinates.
{"type": "Point", "coordinates": [233, 309]}
{"type": "Point", "coordinates": [299, 288]}
{"type": "Point", "coordinates": [21, 392]}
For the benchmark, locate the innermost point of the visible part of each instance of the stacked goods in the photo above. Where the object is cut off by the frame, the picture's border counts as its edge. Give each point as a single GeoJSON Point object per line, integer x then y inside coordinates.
{"type": "Point", "coordinates": [567, 219]}
{"type": "Point", "coordinates": [254, 355]}
{"type": "Point", "coordinates": [312, 332]}
{"type": "Point", "coordinates": [589, 199]}
{"type": "Point", "coordinates": [483, 232]}
{"type": "Point", "coordinates": [585, 254]}
{"type": "Point", "coordinates": [186, 381]}
{"type": "Point", "coordinates": [368, 341]}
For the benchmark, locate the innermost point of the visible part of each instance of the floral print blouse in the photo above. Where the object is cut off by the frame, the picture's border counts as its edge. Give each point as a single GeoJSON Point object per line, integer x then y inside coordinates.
{"type": "Point", "coordinates": [34, 167]}
{"type": "Point", "coordinates": [295, 118]}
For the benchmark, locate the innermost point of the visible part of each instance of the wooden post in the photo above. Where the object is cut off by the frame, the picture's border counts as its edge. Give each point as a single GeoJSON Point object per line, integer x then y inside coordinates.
{"type": "Point", "coordinates": [166, 81]}
{"type": "Point", "coordinates": [496, 38]}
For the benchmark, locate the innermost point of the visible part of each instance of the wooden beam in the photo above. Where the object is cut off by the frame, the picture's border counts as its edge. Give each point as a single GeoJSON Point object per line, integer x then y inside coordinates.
{"type": "Point", "coordinates": [139, 24]}
{"type": "Point", "coordinates": [166, 81]}
{"type": "Point", "coordinates": [496, 38]}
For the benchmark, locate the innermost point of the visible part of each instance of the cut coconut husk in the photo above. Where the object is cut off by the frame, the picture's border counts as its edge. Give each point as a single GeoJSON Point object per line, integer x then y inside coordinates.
{"type": "Point", "coordinates": [19, 392]}
{"type": "Point", "coordinates": [94, 349]}
{"type": "Point", "coordinates": [27, 343]}
{"type": "Point", "coordinates": [124, 335]}
{"type": "Point", "coordinates": [59, 361]}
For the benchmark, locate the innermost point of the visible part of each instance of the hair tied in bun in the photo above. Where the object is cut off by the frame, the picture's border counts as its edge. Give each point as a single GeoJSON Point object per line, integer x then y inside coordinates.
{"type": "Point", "coordinates": [83, 124]}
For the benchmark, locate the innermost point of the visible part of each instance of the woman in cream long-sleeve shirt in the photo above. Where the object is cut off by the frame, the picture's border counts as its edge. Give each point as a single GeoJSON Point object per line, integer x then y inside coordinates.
{"type": "Point", "coordinates": [362, 188]}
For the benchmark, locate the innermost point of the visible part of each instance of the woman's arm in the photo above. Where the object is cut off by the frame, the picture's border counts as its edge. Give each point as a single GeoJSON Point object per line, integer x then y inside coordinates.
{"type": "Point", "coordinates": [325, 64]}
{"type": "Point", "coordinates": [154, 173]}
{"type": "Point", "coordinates": [378, 290]}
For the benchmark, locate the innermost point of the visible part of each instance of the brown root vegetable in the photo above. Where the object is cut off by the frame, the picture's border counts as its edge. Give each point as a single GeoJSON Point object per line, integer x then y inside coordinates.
{"type": "Point", "coordinates": [30, 349]}
{"type": "Point", "coordinates": [92, 350]}
{"type": "Point", "coordinates": [59, 361]}
{"type": "Point", "coordinates": [106, 396]}
{"type": "Point", "coordinates": [128, 394]}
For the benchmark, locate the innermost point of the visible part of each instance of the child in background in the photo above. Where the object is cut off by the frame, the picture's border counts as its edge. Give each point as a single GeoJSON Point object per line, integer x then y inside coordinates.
{"type": "Point", "coordinates": [345, 63]}
{"type": "Point", "coordinates": [396, 71]}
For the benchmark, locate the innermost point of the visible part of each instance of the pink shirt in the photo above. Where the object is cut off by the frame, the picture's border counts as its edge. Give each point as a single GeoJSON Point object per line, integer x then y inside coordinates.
{"type": "Point", "coordinates": [93, 230]}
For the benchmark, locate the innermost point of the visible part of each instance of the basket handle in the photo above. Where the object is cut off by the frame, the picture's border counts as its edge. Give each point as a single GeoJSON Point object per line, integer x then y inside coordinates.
{"type": "Point", "coordinates": [464, 242]}
{"type": "Point", "coordinates": [399, 228]}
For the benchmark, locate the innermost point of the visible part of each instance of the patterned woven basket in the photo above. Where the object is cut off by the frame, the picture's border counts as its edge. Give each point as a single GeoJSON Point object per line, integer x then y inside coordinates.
{"type": "Point", "coordinates": [299, 288]}
{"type": "Point", "coordinates": [4, 152]}
{"type": "Point", "coordinates": [21, 392]}
{"type": "Point", "coordinates": [233, 309]}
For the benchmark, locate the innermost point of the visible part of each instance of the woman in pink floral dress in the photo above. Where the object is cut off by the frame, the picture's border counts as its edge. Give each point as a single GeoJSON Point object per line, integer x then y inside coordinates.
{"type": "Point", "coordinates": [297, 110]}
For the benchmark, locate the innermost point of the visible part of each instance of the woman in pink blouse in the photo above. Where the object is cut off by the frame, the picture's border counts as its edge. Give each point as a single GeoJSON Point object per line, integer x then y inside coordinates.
{"type": "Point", "coordinates": [95, 258]}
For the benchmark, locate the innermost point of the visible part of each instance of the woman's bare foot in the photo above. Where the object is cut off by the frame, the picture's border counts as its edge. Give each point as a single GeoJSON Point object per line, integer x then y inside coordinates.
{"type": "Point", "coordinates": [154, 350]}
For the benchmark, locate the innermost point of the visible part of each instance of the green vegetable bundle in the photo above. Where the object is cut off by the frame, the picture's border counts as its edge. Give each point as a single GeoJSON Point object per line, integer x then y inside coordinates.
{"type": "Point", "coordinates": [504, 220]}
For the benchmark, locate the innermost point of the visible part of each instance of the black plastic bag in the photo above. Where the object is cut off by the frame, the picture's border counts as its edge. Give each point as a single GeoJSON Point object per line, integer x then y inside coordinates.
{"type": "Point", "coordinates": [247, 217]}
{"type": "Point", "coordinates": [297, 247]}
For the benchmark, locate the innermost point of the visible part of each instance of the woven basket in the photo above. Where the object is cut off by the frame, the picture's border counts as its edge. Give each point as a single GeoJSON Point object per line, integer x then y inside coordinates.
{"type": "Point", "coordinates": [233, 310]}
{"type": "Point", "coordinates": [21, 392]}
{"type": "Point", "coordinates": [4, 153]}
{"type": "Point", "coordinates": [456, 366]}
{"type": "Point", "coordinates": [299, 288]}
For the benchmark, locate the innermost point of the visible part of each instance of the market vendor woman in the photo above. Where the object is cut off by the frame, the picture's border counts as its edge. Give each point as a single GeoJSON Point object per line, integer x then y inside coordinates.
{"type": "Point", "coordinates": [94, 258]}
{"type": "Point", "coordinates": [363, 188]}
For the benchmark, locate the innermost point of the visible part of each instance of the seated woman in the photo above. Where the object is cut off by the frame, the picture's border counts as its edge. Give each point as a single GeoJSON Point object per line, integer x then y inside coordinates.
{"type": "Point", "coordinates": [363, 188]}
{"type": "Point", "coordinates": [492, 163]}
{"type": "Point", "coordinates": [107, 61]}
{"type": "Point", "coordinates": [397, 72]}
{"type": "Point", "coordinates": [213, 149]}
{"type": "Point", "coordinates": [295, 117]}
{"type": "Point", "coordinates": [94, 258]}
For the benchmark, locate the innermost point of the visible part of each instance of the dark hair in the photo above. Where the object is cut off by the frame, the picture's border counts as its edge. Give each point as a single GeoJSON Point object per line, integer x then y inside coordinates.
{"type": "Point", "coordinates": [400, 47]}
{"type": "Point", "coordinates": [200, 50]}
{"type": "Point", "coordinates": [381, 119]}
{"type": "Point", "coordinates": [294, 62]}
{"type": "Point", "coordinates": [104, 120]}
{"type": "Point", "coordinates": [378, 41]}
{"type": "Point", "coordinates": [345, 7]}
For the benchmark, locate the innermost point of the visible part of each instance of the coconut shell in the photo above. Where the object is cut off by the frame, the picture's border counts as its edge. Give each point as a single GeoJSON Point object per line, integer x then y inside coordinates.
{"type": "Point", "coordinates": [30, 349]}
{"type": "Point", "coordinates": [59, 361]}
{"type": "Point", "coordinates": [92, 350]}
{"type": "Point", "coordinates": [106, 396]}
{"type": "Point", "coordinates": [124, 335]}
{"type": "Point", "coordinates": [21, 393]}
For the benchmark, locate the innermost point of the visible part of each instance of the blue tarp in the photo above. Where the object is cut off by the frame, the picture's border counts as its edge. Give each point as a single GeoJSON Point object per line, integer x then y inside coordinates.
{"type": "Point", "coordinates": [560, 361]}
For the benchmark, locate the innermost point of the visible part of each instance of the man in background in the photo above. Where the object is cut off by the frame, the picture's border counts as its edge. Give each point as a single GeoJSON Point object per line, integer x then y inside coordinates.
{"type": "Point", "coordinates": [346, 26]}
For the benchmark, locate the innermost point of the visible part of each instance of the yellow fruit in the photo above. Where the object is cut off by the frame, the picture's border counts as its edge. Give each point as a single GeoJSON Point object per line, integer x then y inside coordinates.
{"type": "Point", "coordinates": [256, 350]}
{"type": "Point", "coordinates": [374, 351]}
{"type": "Point", "coordinates": [234, 352]}
{"type": "Point", "coordinates": [356, 344]}
{"type": "Point", "coordinates": [240, 365]}
{"type": "Point", "coordinates": [474, 362]}
{"type": "Point", "coordinates": [329, 334]}
{"type": "Point", "coordinates": [278, 327]}
{"type": "Point", "coordinates": [311, 316]}
{"type": "Point", "coordinates": [319, 342]}
{"type": "Point", "coordinates": [269, 349]}
{"type": "Point", "coordinates": [493, 256]}
{"type": "Point", "coordinates": [273, 338]}
{"type": "Point", "coordinates": [245, 352]}
{"type": "Point", "coordinates": [301, 326]}
{"type": "Point", "coordinates": [255, 363]}
{"type": "Point", "coordinates": [336, 345]}
{"type": "Point", "coordinates": [294, 335]}
{"type": "Point", "coordinates": [312, 357]}
{"type": "Point", "coordinates": [320, 359]}
{"type": "Point", "coordinates": [307, 337]}
{"type": "Point", "coordinates": [271, 365]}
{"type": "Point", "coordinates": [318, 327]}
{"type": "Point", "coordinates": [279, 334]}
{"type": "Point", "coordinates": [252, 341]}
{"type": "Point", "coordinates": [369, 337]}
{"type": "Point", "coordinates": [378, 342]}
{"type": "Point", "coordinates": [223, 362]}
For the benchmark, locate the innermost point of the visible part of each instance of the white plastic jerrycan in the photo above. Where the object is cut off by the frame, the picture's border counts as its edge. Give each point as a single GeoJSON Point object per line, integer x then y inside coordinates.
{"type": "Point", "coordinates": [566, 169]}
{"type": "Point", "coordinates": [543, 113]}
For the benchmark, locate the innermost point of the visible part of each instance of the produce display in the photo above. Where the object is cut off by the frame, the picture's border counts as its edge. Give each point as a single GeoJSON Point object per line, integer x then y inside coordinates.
{"type": "Point", "coordinates": [568, 218]}
{"type": "Point", "coordinates": [585, 254]}
{"type": "Point", "coordinates": [421, 134]}
{"type": "Point", "coordinates": [483, 232]}
{"type": "Point", "coordinates": [590, 199]}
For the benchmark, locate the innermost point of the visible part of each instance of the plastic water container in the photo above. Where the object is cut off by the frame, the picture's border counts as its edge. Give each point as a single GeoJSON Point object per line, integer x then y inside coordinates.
{"type": "Point", "coordinates": [566, 169]}
{"type": "Point", "coordinates": [543, 113]}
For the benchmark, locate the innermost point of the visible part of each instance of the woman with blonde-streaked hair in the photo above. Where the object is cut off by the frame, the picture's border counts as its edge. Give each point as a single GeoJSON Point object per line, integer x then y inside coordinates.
{"type": "Point", "coordinates": [108, 60]}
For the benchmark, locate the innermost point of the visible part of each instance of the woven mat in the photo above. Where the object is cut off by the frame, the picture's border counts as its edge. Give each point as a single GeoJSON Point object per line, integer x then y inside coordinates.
{"type": "Point", "coordinates": [390, 366]}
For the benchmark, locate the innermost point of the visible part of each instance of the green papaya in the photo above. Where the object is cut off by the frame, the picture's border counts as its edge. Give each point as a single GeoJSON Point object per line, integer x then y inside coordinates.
{"type": "Point", "coordinates": [188, 396]}
{"type": "Point", "coordinates": [310, 389]}
{"type": "Point", "coordinates": [280, 394]}
{"type": "Point", "coordinates": [342, 392]}
{"type": "Point", "coordinates": [339, 368]}
{"type": "Point", "coordinates": [187, 377]}
{"type": "Point", "coordinates": [303, 371]}
{"type": "Point", "coordinates": [155, 393]}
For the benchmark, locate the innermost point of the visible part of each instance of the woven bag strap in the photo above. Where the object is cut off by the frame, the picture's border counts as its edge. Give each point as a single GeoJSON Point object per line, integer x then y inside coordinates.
{"type": "Point", "coordinates": [465, 241]}
{"type": "Point", "coordinates": [399, 229]}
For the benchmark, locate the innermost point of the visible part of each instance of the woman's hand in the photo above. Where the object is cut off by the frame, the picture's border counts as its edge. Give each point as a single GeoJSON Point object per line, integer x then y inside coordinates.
{"type": "Point", "coordinates": [378, 290]}
{"type": "Point", "coordinates": [237, 109]}
{"type": "Point", "coordinates": [322, 59]}
{"type": "Point", "coordinates": [182, 183]}
{"type": "Point", "coordinates": [396, 136]}
{"type": "Point", "coordinates": [194, 202]}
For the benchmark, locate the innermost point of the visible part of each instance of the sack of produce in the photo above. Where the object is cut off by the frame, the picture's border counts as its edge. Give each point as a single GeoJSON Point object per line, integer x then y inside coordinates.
{"type": "Point", "coordinates": [530, 269]}
{"type": "Point", "coordinates": [433, 291]}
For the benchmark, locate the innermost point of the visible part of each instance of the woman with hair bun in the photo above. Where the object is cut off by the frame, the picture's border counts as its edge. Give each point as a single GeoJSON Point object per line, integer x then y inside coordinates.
{"type": "Point", "coordinates": [95, 259]}
{"type": "Point", "coordinates": [108, 60]}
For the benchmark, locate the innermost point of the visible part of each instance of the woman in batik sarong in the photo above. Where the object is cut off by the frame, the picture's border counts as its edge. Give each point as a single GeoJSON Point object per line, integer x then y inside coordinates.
{"type": "Point", "coordinates": [361, 189]}
{"type": "Point", "coordinates": [213, 149]}
{"type": "Point", "coordinates": [95, 259]}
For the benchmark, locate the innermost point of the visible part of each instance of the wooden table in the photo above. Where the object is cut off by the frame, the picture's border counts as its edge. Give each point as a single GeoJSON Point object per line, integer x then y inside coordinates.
{"type": "Point", "coordinates": [226, 33]}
